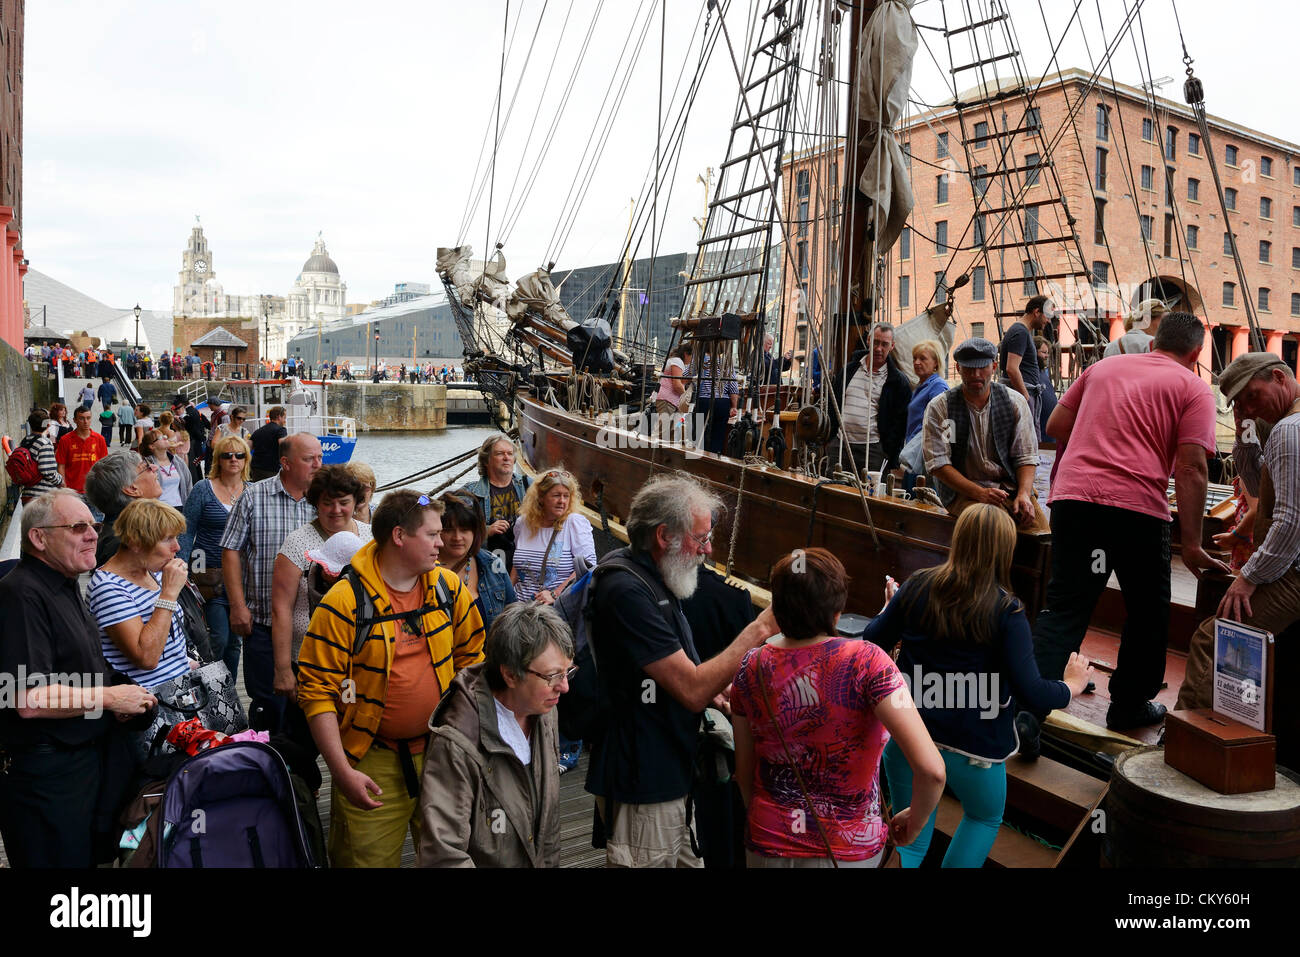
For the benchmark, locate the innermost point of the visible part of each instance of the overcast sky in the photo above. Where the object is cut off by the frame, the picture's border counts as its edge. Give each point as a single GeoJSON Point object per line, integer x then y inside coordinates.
{"type": "Point", "coordinates": [276, 119]}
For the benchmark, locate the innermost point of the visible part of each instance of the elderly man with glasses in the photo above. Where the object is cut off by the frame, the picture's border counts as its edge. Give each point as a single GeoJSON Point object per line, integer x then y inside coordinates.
{"type": "Point", "coordinates": [52, 744]}
{"type": "Point", "coordinates": [658, 688]}
{"type": "Point", "coordinates": [113, 483]}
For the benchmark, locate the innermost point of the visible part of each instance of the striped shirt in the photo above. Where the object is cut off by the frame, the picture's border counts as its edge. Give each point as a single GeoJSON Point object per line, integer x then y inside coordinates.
{"type": "Point", "coordinates": [114, 600]}
{"type": "Point", "coordinates": [574, 538]}
{"type": "Point", "coordinates": [726, 380]}
{"type": "Point", "coordinates": [861, 405]}
{"type": "Point", "coordinates": [42, 450]}
{"type": "Point", "coordinates": [1279, 552]}
{"type": "Point", "coordinates": [258, 525]}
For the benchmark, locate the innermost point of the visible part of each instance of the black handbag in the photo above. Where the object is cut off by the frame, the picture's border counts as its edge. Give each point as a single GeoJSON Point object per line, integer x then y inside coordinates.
{"type": "Point", "coordinates": [207, 693]}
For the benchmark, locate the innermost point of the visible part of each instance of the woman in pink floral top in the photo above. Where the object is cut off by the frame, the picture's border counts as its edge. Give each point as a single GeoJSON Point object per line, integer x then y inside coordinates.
{"type": "Point", "coordinates": [810, 781]}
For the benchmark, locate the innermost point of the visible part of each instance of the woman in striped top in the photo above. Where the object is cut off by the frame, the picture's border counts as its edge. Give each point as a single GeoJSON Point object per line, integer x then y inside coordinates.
{"type": "Point", "coordinates": [134, 596]}
{"type": "Point", "coordinates": [550, 536]}
{"type": "Point", "coordinates": [42, 449]}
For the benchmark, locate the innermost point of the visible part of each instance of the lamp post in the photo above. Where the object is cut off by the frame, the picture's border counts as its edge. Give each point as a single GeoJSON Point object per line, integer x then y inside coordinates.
{"type": "Point", "coordinates": [136, 310]}
{"type": "Point", "coordinates": [376, 365]}
{"type": "Point", "coordinates": [266, 327]}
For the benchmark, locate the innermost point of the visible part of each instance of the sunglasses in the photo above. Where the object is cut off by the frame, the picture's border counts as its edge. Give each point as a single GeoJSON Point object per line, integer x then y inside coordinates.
{"type": "Point", "coordinates": [78, 528]}
{"type": "Point", "coordinates": [227, 456]}
{"type": "Point", "coordinates": [558, 474]}
{"type": "Point", "coordinates": [422, 502]}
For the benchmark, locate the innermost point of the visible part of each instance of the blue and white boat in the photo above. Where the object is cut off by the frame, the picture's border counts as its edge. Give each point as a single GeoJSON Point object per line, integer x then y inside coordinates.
{"type": "Point", "coordinates": [305, 406]}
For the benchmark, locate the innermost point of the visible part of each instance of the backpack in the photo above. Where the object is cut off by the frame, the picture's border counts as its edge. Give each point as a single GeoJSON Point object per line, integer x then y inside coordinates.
{"type": "Point", "coordinates": [21, 465]}
{"type": "Point", "coordinates": [365, 608]}
{"type": "Point", "coordinates": [584, 709]}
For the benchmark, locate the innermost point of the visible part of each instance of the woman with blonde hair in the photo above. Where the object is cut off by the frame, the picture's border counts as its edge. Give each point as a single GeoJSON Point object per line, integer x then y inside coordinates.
{"type": "Point", "coordinates": [552, 538]}
{"type": "Point", "coordinates": [927, 363]}
{"type": "Point", "coordinates": [956, 621]}
{"type": "Point", "coordinates": [207, 509]}
{"type": "Point", "coordinates": [1139, 329]}
{"type": "Point", "coordinates": [134, 595]}
{"type": "Point", "coordinates": [366, 476]}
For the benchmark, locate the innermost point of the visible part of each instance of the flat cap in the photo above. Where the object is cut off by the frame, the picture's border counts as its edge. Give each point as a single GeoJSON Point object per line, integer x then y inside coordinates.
{"type": "Point", "coordinates": [975, 353]}
{"type": "Point", "coordinates": [1242, 369]}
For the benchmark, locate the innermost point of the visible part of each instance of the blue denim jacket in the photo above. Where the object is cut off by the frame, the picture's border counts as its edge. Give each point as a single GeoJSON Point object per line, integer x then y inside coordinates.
{"type": "Point", "coordinates": [481, 491]}
{"type": "Point", "coordinates": [494, 588]}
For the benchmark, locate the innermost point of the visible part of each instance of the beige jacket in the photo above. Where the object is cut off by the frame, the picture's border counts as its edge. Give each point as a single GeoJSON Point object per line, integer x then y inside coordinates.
{"type": "Point", "coordinates": [480, 806]}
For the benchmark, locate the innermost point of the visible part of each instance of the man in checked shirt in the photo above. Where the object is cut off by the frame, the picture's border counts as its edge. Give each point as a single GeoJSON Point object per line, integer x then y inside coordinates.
{"type": "Point", "coordinates": [1266, 593]}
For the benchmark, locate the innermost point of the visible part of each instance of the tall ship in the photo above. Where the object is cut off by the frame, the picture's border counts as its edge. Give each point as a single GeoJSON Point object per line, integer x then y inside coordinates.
{"type": "Point", "coordinates": [811, 224]}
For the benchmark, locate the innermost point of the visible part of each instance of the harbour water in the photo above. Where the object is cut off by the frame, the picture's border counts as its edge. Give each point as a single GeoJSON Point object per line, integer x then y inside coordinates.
{"type": "Point", "coordinates": [395, 455]}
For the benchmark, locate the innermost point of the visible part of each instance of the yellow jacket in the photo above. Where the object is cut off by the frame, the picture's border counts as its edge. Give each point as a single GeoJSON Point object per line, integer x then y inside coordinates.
{"type": "Point", "coordinates": [354, 686]}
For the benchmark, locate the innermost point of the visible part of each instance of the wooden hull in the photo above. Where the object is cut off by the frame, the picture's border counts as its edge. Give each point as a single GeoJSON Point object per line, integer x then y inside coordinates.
{"type": "Point", "coordinates": [775, 514]}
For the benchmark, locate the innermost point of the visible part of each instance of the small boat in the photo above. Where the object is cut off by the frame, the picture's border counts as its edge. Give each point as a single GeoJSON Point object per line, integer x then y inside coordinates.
{"type": "Point", "coordinates": [304, 402]}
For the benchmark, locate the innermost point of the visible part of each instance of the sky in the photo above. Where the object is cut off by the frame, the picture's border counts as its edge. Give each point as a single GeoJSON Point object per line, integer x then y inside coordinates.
{"type": "Point", "coordinates": [277, 120]}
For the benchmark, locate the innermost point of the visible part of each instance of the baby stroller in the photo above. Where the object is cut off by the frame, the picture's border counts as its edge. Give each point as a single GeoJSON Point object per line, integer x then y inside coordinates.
{"type": "Point", "coordinates": [232, 806]}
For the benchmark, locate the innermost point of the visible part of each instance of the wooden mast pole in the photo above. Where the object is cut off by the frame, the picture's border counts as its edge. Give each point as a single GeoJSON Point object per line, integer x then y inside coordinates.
{"type": "Point", "coordinates": [627, 272]}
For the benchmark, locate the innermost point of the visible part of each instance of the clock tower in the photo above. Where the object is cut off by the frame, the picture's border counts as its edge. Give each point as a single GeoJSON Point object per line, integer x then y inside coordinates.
{"type": "Point", "coordinates": [192, 296]}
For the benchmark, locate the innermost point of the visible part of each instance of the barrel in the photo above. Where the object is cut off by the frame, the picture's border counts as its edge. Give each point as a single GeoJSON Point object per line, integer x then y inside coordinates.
{"type": "Point", "coordinates": [1157, 816]}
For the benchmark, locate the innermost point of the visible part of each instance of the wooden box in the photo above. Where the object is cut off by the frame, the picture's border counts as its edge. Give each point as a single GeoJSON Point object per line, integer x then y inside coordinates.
{"type": "Point", "coordinates": [1224, 755]}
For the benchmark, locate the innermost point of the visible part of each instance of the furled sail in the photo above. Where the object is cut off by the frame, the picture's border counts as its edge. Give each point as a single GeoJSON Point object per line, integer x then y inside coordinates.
{"type": "Point", "coordinates": [536, 293]}
{"type": "Point", "coordinates": [935, 324]}
{"type": "Point", "coordinates": [884, 73]}
{"type": "Point", "coordinates": [474, 280]}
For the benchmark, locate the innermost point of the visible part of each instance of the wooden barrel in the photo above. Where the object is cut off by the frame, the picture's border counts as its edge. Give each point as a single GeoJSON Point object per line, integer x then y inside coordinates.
{"type": "Point", "coordinates": [1157, 816]}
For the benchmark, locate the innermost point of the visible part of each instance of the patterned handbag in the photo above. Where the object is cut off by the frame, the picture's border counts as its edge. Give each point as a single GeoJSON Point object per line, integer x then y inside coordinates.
{"type": "Point", "coordinates": [208, 694]}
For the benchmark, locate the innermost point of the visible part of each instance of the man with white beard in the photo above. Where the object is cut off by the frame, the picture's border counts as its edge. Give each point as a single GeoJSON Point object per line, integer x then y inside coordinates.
{"type": "Point", "coordinates": [657, 687]}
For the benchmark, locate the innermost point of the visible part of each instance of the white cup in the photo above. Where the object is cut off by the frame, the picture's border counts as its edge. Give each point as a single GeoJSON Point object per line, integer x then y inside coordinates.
{"type": "Point", "coordinates": [874, 483]}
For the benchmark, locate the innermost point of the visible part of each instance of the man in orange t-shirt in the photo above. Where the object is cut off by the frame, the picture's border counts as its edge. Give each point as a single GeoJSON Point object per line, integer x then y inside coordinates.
{"type": "Point", "coordinates": [79, 450]}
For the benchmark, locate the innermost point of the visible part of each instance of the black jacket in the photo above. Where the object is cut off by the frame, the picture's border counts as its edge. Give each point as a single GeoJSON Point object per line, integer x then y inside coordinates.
{"type": "Point", "coordinates": [891, 417]}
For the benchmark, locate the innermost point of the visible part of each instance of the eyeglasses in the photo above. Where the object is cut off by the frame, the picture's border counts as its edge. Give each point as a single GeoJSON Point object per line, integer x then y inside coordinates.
{"type": "Point", "coordinates": [227, 456]}
{"type": "Point", "coordinates": [78, 528]}
{"type": "Point", "coordinates": [422, 502]}
{"type": "Point", "coordinates": [701, 542]}
{"type": "Point", "coordinates": [554, 680]}
{"type": "Point", "coordinates": [146, 467]}
{"type": "Point", "coordinates": [558, 474]}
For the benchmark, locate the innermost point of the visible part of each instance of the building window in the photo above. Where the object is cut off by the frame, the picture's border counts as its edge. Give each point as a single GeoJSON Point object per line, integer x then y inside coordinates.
{"type": "Point", "coordinates": [1148, 129]}
{"type": "Point", "coordinates": [1099, 170]}
{"type": "Point", "coordinates": [1295, 215]}
{"type": "Point", "coordinates": [907, 155]}
{"type": "Point", "coordinates": [1169, 235]}
{"type": "Point", "coordinates": [1265, 251]}
{"type": "Point", "coordinates": [802, 331]}
{"type": "Point", "coordinates": [1033, 119]}
{"type": "Point", "coordinates": [981, 135]}
{"type": "Point", "coordinates": [1031, 223]}
{"type": "Point", "coordinates": [1147, 225]}
{"type": "Point", "coordinates": [803, 217]}
{"type": "Point", "coordinates": [802, 183]}
{"type": "Point", "coordinates": [977, 284]}
{"type": "Point", "coordinates": [1171, 140]}
{"type": "Point", "coordinates": [981, 181]}
{"type": "Point", "coordinates": [1229, 294]}
{"type": "Point", "coordinates": [1030, 273]}
{"type": "Point", "coordinates": [1193, 233]}
{"type": "Point", "coordinates": [1194, 190]}
{"type": "Point", "coordinates": [905, 243]}
{"type": "Point", "coordinates": [1100, 273]}
{"type": "Point", "coordinates": [1230, 198]}
{"type": "Point", "coordinates": [1193, 144]}
{"type": "Point", "coordinates": [1227, 244]}
{"type": "Point", "coordinates": [1169, 186]}
{"type": "Point", "coordinates": [977, 330]}
{"type": "Point", "coordinates": [1230, 155]}
{"type": "Point", "coordinates": [941, 237]}
{"type": "Point", "coordinates": [904, 292]}
{"type": "Point", "coordinates": [802, 247]}
{"type": "Point", "coordinates": [1103, 123]}
{"type": "Point", "coordinates": [1148, 177]}
{"type": "Point", "coordinates": [1031, 174]}
{"type": "Point", "coordinates": [1295, 303]}
{"type": "Point", "coordinates": [1099, 229]}
{"type": "Point", "coordinates": [941, 147]}
{"type": "Point", "coordinates": [1295, 257]}
{"type": "Point", "coordinates": [1266, 166]}
{"type": "Point", "coordinates": [1295, 175]}
{"type": "Point", "coordinates": [979, 230]}
{"type": "Point", "coordinates": [1265, 208]}
{"type": "Point", "coordinates": [941, 188]}
{"type": "Point", "coordinates": [940, 288]}
{"type": "Point", "coordinates": [1263, 298]}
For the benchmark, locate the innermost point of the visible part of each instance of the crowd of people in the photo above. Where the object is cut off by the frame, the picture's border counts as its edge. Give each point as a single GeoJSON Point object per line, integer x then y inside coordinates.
{"type": "Point", "coordinates": [434, 650]}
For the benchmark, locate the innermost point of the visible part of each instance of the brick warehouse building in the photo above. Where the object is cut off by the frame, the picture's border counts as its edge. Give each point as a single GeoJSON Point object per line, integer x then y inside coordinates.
{"type": "Point", "coordinates": [12, 264]}
{"type": "Point", "coordinates": [1118, 150]}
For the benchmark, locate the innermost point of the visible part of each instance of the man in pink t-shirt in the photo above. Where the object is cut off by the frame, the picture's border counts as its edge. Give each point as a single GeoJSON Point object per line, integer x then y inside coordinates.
{"type": "Point", "coordinates": [1124, 427]}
